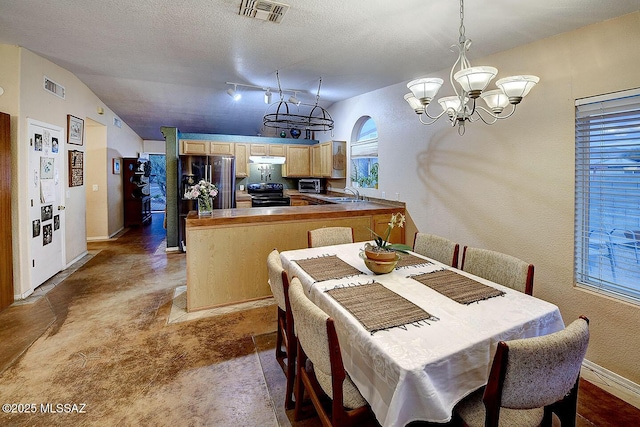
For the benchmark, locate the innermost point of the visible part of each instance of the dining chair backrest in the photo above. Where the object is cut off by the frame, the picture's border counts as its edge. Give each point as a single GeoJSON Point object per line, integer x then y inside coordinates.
{"type": "Point", "coordinates": [328, 236]}
{"type": "Point", "coordinates": [279, 283]}
{"type": "Point", "coordinates": [500, 268]}
{"type": "Point", "coordinates": [318, 341]}
{"type": "Point", "coordinates": [538, 372]}
{"type": "Point", "coordinates": [276, 274]}
{"type": "Point", "coordinates": [437, 248]}
{"type": "Point", "coordinates": [311, 330]}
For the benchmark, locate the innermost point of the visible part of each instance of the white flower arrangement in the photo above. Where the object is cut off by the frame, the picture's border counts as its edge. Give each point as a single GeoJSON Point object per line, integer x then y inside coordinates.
{"type": "Point", "coordinates": [204, 192]}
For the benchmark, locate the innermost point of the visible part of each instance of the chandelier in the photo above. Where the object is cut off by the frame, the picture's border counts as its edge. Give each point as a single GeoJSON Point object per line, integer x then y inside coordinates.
{"type": "Point", "coordinates": [293, 114]}
{"type": "Point", "coordinates": [472, 81]}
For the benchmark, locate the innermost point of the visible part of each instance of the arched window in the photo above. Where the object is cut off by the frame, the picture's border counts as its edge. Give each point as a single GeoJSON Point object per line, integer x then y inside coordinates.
{"type": "Point", "coordinates": [364, 154]}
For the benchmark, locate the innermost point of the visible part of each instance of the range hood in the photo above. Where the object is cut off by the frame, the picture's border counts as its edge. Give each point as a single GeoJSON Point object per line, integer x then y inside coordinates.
{"type": "Point", "coordinates": [270, 160]}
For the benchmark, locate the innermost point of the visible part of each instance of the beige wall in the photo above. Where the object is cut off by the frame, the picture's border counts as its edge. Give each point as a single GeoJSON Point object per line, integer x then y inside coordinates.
{"type": "Point", "coordinates": [510, 187]}
{"type": "Point", "coordinates": [27, 99]}
{"type": "Point", "coordinates": [95, 183]}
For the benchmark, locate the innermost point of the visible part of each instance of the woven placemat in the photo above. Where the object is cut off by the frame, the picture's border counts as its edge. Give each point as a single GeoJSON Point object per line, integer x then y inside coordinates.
{"type": "Point", "coordinates": [409, 260]}
{"type": "Point", "coordinates": [456, 286]}
{"type": "Point", "coordinates": [378, 308]}
{"type": "Point", "coordinates": [327, 267]}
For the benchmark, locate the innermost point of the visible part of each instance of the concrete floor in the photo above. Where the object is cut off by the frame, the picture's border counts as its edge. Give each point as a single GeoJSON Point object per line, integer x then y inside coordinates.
{"type": "Point", "coordinates": [97, 337]}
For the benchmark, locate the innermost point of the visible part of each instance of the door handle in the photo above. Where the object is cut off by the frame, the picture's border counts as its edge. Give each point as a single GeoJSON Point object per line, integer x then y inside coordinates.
{"type": "Point", "coordinates": [60, 208]}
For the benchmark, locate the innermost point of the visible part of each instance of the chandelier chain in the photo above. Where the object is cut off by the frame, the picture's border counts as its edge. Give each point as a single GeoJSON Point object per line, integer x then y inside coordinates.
{"type": "Point", "coordinates": [462, 29]}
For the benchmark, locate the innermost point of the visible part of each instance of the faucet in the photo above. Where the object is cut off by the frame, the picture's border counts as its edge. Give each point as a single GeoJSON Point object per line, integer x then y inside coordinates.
{"type": "Point", "coordinates": [353, 191]}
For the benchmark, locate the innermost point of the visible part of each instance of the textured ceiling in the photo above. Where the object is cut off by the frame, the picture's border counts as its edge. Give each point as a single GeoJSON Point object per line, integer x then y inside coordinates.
{"type": "Point", "coordinates": [158, 63]}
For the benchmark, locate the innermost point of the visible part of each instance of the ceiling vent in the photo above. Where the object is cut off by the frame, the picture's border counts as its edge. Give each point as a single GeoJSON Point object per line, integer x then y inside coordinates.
{"type": "Point", "coordinates": [53, 87]}
{"type": "Point", "coordinates": [264, 10]}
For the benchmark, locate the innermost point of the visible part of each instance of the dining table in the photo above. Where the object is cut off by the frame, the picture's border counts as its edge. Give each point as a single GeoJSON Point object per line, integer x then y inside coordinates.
{"type": "Point", "coordinates": [417, 340]}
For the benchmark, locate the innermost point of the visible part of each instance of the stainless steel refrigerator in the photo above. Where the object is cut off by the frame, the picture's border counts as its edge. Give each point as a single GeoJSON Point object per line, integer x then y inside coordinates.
{"type": "Point", "coordinates": [219, 170]}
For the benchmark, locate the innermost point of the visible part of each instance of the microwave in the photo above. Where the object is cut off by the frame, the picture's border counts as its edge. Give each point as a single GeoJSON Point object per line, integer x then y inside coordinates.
{"type": "Point", "coordinates": [310, 185]}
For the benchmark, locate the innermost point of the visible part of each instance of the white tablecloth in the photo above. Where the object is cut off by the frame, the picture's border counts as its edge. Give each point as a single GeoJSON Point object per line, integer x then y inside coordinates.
{"type": "Point", "coordinates": [421, 372]}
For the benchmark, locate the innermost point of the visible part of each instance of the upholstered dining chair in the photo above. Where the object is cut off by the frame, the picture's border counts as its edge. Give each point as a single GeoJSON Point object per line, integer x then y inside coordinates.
{"type": "Point", "coordinates": [436, 247]}
{"type": "Point", "coordinates": [328, 236]}
{"type": "Point", "coordinates": [279, 283]}
{"type": "Point", "coordinates": [320, 371]}
{"type": "Point", "coordinates": [530, 379]}
{"type": "Point", "coordinates": [503, 269]}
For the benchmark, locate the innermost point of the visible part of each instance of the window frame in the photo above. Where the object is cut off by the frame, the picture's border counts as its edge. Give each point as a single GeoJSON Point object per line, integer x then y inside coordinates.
{"type": "Point", "coordinates": [364, 148]}
{"type": "Point", "coordinates": [607, 194]}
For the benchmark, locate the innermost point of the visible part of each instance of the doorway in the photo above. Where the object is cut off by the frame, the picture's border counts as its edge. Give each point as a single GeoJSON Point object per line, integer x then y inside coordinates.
{"type": "Point", "coordinates": [158, 182]}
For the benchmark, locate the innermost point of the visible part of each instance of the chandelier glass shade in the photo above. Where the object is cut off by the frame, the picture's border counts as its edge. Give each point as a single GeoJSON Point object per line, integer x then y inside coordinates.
{"type": "Point", "coordinates": [293, 114]}
{"type": "Point", "coordinates": [469, 83]}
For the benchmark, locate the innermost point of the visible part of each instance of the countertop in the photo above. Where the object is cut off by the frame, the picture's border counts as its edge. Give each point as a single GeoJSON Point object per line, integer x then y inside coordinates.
{"type": "Point", "coordinates": [289, 213]}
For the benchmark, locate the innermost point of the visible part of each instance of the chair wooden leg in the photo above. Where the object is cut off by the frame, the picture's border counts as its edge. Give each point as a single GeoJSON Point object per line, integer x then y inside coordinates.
{"type": "Point", "coordinates": [299, 387]}
{"type": "Point", "coordinates": [291, 372]}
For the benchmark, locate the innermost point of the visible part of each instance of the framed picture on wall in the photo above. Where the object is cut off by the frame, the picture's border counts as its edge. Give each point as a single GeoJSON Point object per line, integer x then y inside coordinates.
{"type": "Point", "coordinates": [75, 130]}
{"type": "Point", "coordinates": [75, 168]}
{"type": "Point", "coordinates": [116, 166]}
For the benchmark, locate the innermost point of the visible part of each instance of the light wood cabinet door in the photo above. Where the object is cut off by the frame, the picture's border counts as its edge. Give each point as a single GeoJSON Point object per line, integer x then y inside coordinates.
{"type": "Point", "coordinates": [298, 161]}
{"type": "Point", "coordinates": [316, 161]}
{"type": "Point", "coordinates": [196, 147]}
{"type": "Point", "coordinates": [380, 224]}
{"type": "Point", "coordinates": [259, 149]}
{"type": "Point", "coordinates": [325, 159]}
{"type": "Point", "coordinates": [242, 160]}
{"type": "Point", "coordinates": [243, 204]}
{"type": "Point", "coordinates": [222, 148]}
{"type": "Point", "coordinates": [277, 150]}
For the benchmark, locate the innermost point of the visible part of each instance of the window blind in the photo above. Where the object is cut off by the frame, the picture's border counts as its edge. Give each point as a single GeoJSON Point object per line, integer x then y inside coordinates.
{"type": "Point", "coordinates": [607, 198]}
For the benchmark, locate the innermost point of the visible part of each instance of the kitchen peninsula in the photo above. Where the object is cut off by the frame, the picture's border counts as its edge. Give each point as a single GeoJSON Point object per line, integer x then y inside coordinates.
{"type": "Point", "coordinates": [227, 252]}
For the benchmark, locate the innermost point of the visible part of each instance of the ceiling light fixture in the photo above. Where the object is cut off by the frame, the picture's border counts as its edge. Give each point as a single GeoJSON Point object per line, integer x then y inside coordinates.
{"type": "Point", "coordinates": [472, 81]}
{"type": "Point", "coordinates": [234, 93]}
{"type": "Point", "coordinates": [267, 96]}
{"type": "Point", "coordinates": [283, 114]}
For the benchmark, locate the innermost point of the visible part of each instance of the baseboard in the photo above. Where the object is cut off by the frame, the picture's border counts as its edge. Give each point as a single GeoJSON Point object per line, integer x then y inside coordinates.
{"type": "Point", "coordinates": [98, 239]}
{"type": "Point", "coordinates": [173, 249]}
{"type": "Point", "coordinates": [76, 259]}
{"type": "Point", "coordinates": [615, 380]}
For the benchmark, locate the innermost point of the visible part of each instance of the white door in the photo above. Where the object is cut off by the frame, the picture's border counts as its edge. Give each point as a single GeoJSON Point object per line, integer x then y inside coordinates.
{"type": "Point", "coordinates": [46, 182]}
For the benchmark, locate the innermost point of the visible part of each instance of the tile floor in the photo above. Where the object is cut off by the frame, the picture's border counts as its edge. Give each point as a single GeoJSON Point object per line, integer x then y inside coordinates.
{"type": "Point", "coordinates": [100, 333]}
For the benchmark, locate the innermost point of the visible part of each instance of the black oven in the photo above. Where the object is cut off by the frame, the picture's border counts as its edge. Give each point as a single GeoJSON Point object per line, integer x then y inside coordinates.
{"type": "Point", "coordinates": [266, 194]}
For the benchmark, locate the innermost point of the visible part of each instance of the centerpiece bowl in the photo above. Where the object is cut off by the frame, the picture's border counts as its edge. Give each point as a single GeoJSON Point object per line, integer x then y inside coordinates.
{"type": "Point", "coordinates": [380, 266]}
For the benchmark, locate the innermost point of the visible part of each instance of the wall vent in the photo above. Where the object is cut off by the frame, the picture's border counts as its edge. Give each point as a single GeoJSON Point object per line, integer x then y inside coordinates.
{"type": "Point", "coordinates": [53, 87]}
{"type": "Point", "coordinates": [265, 10]}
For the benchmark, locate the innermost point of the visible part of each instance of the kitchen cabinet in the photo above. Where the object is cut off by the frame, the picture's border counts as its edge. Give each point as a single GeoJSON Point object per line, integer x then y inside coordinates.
{"type": "Point", "coordinates": [316, 161]}
{"type": "Point", "coordinates": [268, 149]}
{"type": "Point", "coordinates": [204, 148]}
{"type": "Point", "coordinates": [222, 148]}
{"type": "Point", "coordinates": [198, 148]}
{"type": "Point", "coordinates": [277, 150]}
{"type": "Point", "coordinates": [243, 204]}
{"type": "Point", "coordinates": [298, 163]}
{"type": "Point", "coordinates": [333, 159]}
{"type": "Point", "coordinates": [242, 160]}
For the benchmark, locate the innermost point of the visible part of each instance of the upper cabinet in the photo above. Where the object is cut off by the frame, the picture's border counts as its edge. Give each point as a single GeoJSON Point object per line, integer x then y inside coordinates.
{"type": "Point", "coordinates": [268, 150]}
{"type": "Point", "coordinates": [222, 148]}
{"type": "Point", "coordinates": [298, 162]}
{"type": "Point", "coordinates": [199, 148]}
{"type": "Point", "coordinates": [329, 160]}
{"type": "Point", "coordinates": [242, 160]}
{"type": "Point", "coordinates": [204, 148]}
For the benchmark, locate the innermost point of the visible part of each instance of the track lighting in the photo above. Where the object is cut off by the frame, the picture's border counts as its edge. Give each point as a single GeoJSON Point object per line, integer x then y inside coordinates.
{"type": "Point", "coordinates": [293, 99]}
{"type": "Point", "coordinates": [234, 94]}
{"type": "Point", "coordinates": [267, 97]}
